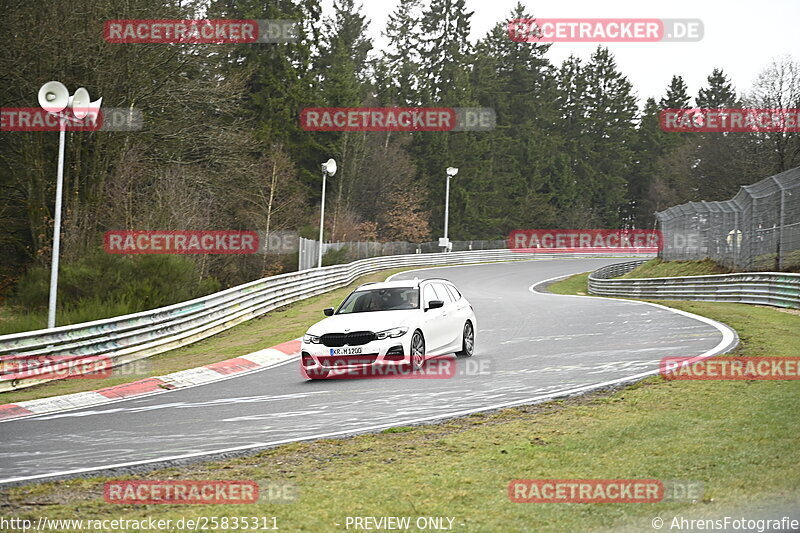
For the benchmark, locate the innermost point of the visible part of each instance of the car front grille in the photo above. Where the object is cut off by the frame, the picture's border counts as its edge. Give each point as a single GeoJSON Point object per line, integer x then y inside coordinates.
{"type": "Point", "coordinates": [355, 338]}
{"type": "Point", "coordinates": [333, 361]}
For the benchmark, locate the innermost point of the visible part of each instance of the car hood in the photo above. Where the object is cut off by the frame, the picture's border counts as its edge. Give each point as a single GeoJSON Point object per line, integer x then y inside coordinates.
{"type": "Point", "coordinates": [372, 321]}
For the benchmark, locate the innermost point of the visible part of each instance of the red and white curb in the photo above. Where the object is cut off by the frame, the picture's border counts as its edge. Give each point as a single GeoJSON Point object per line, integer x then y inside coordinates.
{"type": "Point", "coordinates": [177, 380]}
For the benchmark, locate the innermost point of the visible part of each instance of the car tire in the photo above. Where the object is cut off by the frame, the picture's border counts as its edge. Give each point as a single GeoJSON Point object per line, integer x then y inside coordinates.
{"type": "Point", "coordinates": [417, 351]}
{"type": "Point", "coordinates": [467, 340]}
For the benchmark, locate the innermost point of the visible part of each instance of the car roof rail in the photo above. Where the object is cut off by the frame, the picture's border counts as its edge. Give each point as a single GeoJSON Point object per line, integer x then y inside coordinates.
{"type": "Point", "coordinates": [436, 279]}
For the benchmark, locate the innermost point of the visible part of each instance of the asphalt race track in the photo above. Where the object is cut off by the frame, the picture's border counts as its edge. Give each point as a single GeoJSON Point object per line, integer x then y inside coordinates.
{"type": "Point", "coordinates": [529, 347]}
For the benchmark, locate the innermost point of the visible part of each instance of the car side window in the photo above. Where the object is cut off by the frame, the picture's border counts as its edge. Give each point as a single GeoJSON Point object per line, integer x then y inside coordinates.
{"type": "Point", "coordinates": [428, 294]}
{"type": "Point", "coordinates": [349, 304]}
{"type": "Point", "coordinates": [453, 292]}
{"type": "Point", "coordinates": [442, 293]}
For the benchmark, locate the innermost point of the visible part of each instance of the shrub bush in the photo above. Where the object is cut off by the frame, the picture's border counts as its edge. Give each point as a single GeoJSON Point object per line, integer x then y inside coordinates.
{"type": "Point", "coordinates": [102, 285]}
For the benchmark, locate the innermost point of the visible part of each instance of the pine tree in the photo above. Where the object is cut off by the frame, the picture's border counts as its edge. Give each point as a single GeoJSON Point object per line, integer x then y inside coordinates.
{"type": "Point", "coordinates": [677, 96]}
{"type": "Point", "coordinates": [446, 53]}
{"type": "Point", "coordinates": [343, 74]}
{"type": "Point", "coordinates": [662, 173]}
{"type": "Point", "coordinates": [718, 168]}
{"type": "Point", "coordinates": [397, 71]}
{"type": "Point", "coordinates": [519, 171]}
{"type": "Point", "coordinates": [719, 93]}
{"type": "Point", "coordinates": [599, 109]}
{"type": "Point", "coordinates": [281, 79]}
{"type": "Point", "coordinates": [342, 62]}
{"type": "Point", "coordinates": [445, 71]}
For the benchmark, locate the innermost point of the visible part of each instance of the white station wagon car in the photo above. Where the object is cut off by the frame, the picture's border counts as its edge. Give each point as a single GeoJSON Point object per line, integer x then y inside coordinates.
{"type": "Point", "coordinates": [390, 323]}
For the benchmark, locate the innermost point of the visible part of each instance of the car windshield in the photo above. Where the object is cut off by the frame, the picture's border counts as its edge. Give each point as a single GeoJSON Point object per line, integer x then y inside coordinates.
{"type": "Point", "coordinates": [389, 299]}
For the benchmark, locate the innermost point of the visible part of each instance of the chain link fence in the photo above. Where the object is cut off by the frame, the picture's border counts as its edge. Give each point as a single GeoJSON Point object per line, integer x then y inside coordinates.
{"type": "Point", "coordinates": [756, 230]}
{"type": "Point", "coordinates": [344, 252]}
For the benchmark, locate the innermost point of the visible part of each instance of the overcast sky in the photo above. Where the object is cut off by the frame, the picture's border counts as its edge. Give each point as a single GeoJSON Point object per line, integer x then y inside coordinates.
{"type": "Point", "coordinates": [741, 37]}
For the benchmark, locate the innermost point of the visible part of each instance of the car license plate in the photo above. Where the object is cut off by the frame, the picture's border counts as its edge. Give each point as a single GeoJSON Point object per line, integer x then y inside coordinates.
{"type": "Point", "coordinates": [346, 351]}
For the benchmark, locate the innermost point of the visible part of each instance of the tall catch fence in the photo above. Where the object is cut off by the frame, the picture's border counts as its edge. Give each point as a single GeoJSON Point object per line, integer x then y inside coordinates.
{"type": "Point", "coordinates": [756, 230]}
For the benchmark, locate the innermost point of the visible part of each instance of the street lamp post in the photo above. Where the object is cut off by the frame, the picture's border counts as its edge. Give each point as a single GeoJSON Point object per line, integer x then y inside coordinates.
{"type": "Point", "coordinates": [328, 169]}
{"type": "Point", "coordinates": [54, 98]}
{"type": "Point", "coordinates": [451, 171]}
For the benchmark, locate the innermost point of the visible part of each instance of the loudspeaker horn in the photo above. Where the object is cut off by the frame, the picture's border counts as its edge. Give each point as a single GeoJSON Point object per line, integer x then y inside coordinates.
{"type": "Point", "coordinates": [53, 96]}
{"type": "Point", "coordinates": [94, 109]}
{"type": "Point", "coordinates": [329, 167]}
{"type": "Point", "coordinates": [79, 102]}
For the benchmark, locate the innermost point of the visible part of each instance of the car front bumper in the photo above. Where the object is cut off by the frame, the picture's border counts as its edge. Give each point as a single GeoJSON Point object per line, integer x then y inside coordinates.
{"type": "Point", "coordinates": [386, 352]}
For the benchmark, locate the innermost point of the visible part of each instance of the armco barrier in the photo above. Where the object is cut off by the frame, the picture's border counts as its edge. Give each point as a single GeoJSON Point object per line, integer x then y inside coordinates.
{"type": "Point", "coordinates": [131, 337]}
{"type": "Point", "coordinates": [765, 288]}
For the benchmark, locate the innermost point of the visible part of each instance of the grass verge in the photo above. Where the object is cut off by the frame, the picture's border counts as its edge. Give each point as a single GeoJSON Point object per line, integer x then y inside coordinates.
{"type": "Point", "coordinates": [740, 439]}
{"type": "Point", "coordinates": [576, 284]}
{"type": "Point", "coordinates": [656, 268]}
{"type": "Point", "coordinates": [275, 327]}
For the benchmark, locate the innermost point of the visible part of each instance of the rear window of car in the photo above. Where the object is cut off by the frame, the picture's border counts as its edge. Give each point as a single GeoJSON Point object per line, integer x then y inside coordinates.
{"type": "Point", "coordinates": [441, 291]}
{"type": "Point", "coordinates": [454, 293]}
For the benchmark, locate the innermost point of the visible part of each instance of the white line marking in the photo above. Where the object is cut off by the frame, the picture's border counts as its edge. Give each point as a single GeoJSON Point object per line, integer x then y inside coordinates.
{"type": "Point", "coordinates": [729, 336]}
{"type": "Point", "coordinates": [78, 400]}
{"type": "Point", "coordinates": [223, 377]}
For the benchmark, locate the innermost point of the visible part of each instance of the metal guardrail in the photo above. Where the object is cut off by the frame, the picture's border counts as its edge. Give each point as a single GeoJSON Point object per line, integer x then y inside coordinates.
{"type": "Point", "coordinates": [308, 249]}
{"type": "Point", "coordinates": [132, 337]}
{"type": "Point", "coordinates": [763, 288]}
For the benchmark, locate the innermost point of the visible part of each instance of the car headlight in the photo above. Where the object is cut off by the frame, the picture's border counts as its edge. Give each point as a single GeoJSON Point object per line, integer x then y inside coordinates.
{"type": "Point", "coordinates": [391, 333]}
{"type": "Point", "coordinates": [310, 339]}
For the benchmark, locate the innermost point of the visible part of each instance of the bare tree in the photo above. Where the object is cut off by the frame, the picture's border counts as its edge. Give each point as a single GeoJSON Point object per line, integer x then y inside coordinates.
{"type": "Point", "coordinates": [778, 87]}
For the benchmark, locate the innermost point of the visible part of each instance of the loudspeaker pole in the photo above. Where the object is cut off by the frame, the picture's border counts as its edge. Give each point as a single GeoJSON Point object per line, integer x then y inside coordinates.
{"type": "Point", "coordinates": [55, 99]}
{"type": "Point", "coordinates": [328, 169]}
{"type": "Point", "coordinates": [51, 308]}
{"type": "Point", "coordinates": [321, 220]}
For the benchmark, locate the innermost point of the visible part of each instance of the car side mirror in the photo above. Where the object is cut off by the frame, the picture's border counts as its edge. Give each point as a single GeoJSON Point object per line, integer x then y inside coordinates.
{"type": "Point", "coordinates": [435, 304]}
{"type": "Point", "coordinates": [328, 311]}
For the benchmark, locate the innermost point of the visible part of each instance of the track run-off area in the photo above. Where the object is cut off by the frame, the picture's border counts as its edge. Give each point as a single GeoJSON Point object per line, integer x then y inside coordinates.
{"type": "Point", "coordinates": [530, 347]}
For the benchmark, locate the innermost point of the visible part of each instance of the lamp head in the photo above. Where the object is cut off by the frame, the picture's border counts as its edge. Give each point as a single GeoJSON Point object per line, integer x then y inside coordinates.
{"type": "Point", "coordinates": [452, 171]}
